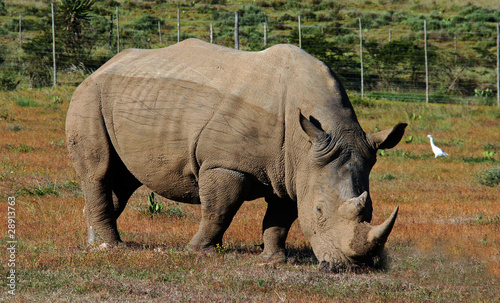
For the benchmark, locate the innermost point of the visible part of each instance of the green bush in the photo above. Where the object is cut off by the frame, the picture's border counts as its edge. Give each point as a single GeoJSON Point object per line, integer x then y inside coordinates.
{"type": "Point", "coordinates": [8, 81]}
{"type": "Point", "coordinates": [490, 177]}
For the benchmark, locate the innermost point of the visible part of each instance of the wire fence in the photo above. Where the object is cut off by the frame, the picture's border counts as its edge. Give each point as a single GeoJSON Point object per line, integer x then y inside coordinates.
{"type": "Point", "coordinates": [424, 63]}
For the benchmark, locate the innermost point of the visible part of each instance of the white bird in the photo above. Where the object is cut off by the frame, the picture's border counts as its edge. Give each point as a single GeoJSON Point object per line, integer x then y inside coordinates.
{"type": "Point", "coordinates": [438, 152]}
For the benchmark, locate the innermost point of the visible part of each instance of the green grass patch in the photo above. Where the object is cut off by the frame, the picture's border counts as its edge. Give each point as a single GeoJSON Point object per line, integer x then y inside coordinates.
{"type": "Point", "coordinates": [21, 148]}
{"type": "Point", "coordinates": [26, 102]}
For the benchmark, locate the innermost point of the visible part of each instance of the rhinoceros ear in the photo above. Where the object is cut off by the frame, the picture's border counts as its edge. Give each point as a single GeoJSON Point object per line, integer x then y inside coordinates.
{"type": "Point", "coordinates": [388, 138]}
{"type": "Point", "coordinates": [312, 128]}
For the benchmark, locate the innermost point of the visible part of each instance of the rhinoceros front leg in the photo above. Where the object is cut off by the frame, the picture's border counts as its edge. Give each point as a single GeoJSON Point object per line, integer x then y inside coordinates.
{"type": "Point", "coordinates": [222, 192]}
{"type": "Point", "coordinates": [280, 215]}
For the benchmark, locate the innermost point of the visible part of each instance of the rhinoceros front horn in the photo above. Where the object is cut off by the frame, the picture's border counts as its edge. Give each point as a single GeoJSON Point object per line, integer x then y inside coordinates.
{"type": "Point", "coordinates": [378, 234]}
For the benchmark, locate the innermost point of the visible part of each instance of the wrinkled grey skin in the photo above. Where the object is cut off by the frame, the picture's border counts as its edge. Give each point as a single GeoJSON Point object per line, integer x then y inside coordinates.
{"type": "Point", "coordinates": [204, 124]}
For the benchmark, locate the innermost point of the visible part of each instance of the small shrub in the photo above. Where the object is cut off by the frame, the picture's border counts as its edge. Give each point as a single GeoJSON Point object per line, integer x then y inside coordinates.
{"type": "Point", "coordinates": [153, 206]}
{"type": "Point", "coordinates": [483, 219]}
{"type": "Point", "coordinates": [40, 191]}
{"type": "Point", "coordinates": [490, 177]}
{"type": "Point", "coordinates": [387, 177]}
{"type": "Point", "coordinates": [173, 209]}
{"type": "Point", "coordinates": [4, 114]}
{"type": "Point", "coordinates": [15, 127]}
{"type": "Point", "coordinates": [8, 81]}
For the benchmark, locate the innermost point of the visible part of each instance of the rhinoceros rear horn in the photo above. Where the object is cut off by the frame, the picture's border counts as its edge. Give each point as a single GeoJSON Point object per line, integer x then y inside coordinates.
{"type": "Point", "coordinates": [379, 234]}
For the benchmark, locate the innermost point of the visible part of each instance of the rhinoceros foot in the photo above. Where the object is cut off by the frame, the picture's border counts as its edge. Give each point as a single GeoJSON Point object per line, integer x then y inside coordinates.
{"type": "Point", "coordinates": [272, 257]}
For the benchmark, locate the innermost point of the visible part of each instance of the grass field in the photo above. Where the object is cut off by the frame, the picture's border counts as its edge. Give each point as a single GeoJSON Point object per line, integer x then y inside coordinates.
{"type": "Point", "coordinates": [445, 246]}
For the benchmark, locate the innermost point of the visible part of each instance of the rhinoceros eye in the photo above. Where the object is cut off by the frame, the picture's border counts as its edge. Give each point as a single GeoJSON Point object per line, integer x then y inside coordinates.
{"type": "Point", "coordinates": [320, 212]}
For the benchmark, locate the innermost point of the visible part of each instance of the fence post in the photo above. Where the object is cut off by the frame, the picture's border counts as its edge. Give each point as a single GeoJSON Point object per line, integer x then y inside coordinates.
{"type": "Point", "coordinates": [117, 31]}
{"type": "Point", "coordinates": [20, 30]}
{"type": "Point", "coordinates": [498, 64]}
{"type": "Point", "coordinates": [211, 32]}
{"type": "Point", "coordinates": [361, 57]}
{"type": "Point", "coordinates": [455, 44]}
{"type": "Point", "coordinates": [159, 31]}
{"type": "Point", "coordinates": [111, 25]}
{"type": "Point", "coordinates": [426, 64]}
{"type": "Point", "coordinates": [53, 44]}
{"type": "Point", "coordinates": [178, 25]}
{"type": "Point", "coordinates": [265, 32]}
{"type": "Point", "coordinates": [236, 31]}
{"type": "Point", "coordinates": [300, 35]}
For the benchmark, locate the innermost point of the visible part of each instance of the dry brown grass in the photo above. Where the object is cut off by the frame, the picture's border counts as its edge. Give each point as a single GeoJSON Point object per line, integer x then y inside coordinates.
{"type": "Point", "coordinates": [445, 245]}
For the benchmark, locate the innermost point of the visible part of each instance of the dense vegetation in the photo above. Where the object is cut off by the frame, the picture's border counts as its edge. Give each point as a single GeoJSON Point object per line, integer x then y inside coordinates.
{"type": "Point", "coordinates": [330, 31]}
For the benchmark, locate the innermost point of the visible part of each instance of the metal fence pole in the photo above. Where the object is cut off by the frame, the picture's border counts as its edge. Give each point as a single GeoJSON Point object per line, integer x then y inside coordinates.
{"type": "Point", "coordinates": [111, 25]}
{"type": "Point", "coordinates": [361, 58]}
{"type": "Point", "coordinates": [53, 44]}
{"type": "Point", "coordinates": [426, 64]}
{"type": "Point", "coordinates": [498, 64]}
{"type": "Point", "coordinates": [265, 32]}
{"type": "Point", "coordinates": [236, 31]}
{"type": "Point", "coordinates": [211, 32]}
{"type": "Point", "coordinates": [117, 31]}
{"type": "Point", "coordinates": [159, 31]}
{"type": "Point", "coordinates": [20, 29]}
{"type": "Point", "coordinates": [300, 34]}
{"type": "Point", "coordinates": [178, 25]}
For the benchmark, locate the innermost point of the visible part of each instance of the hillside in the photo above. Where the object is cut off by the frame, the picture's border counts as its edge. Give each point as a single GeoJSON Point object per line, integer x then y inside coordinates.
{"type": "Point", "coordinates": [461, 39]}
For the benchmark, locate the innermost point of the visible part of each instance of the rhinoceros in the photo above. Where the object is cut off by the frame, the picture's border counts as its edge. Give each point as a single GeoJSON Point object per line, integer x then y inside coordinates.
{"type": "Point", "coordinates": [205, 124]}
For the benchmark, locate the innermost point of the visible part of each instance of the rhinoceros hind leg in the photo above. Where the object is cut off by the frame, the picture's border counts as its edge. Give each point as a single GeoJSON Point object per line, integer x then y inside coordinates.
{"type": "Point", "coordinates": [280, 215]}
{"type": "Point", "coordinates": [124, 185]}
{"type": "Point", "coordinates": [222, 191]}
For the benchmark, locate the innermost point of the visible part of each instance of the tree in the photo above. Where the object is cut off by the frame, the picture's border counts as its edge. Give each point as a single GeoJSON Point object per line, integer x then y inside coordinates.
{"type": "Point", "coordinates": [398, 62]}
{"type": "Point", "coordinates": [74, 17]}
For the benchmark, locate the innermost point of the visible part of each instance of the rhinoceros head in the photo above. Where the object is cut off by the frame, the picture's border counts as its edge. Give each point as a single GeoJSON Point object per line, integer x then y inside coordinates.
{"type": "Point", "coordinates": [333, 197]}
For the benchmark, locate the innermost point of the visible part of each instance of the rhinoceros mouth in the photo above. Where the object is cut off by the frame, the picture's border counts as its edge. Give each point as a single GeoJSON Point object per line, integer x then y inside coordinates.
{"type": "Point", "coordinates": [342, 263]}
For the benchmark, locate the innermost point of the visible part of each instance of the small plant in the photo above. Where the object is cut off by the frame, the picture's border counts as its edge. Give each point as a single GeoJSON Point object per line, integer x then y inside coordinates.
{"type": "Point", "coordinates": [487, 93]}
{"type": "Point", "coordinates": [483, 219]}
{"type": "Point", "coordinates": [221, 249]}
{"type": "Point", "coordinates": [15, 127]}
{"type": "Point", "coordinates": [174, 210]}
{"type": "Point", "coordinates": [57, 100]}
{"type": "Point", "coordinates": [490, 177]}
{"type": "Point", "coordinates": [153, 206]}
{"type": "Point", "coordinates": [387, 177]}
{"type": "Point", "coordinates": [49, 189]}
{"type": "Point", "coordinates": [414, 116]}
{"type": "Point", "coordinates": [409, 139]}
{"type": "Point", "coordinates": [489, 153]}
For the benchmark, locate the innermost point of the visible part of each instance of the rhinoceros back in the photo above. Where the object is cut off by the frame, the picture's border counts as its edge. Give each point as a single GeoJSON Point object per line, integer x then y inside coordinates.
{"type": "Point", "coordinates": [170, 111]}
